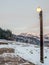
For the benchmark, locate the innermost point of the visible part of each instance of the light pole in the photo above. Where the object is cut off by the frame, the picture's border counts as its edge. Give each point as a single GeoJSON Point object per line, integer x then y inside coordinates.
{"type": "Point", "coordinates": [41, 34]}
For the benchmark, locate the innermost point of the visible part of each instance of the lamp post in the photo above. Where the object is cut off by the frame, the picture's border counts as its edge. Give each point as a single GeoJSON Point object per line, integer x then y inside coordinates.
{"type": "Point", "coordinates": [41, 34]}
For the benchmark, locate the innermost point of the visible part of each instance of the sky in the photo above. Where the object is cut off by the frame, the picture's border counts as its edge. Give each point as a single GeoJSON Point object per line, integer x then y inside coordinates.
{"type": "Point", "coordinates": [20, 16]}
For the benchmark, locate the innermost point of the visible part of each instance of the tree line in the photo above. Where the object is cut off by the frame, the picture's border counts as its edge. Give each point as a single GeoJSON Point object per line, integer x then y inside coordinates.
{"type": "Point", "coordinates": [5, 34]}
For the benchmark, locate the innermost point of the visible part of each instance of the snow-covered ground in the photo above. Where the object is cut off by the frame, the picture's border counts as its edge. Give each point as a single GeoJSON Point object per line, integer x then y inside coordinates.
{"type": "Point", "coordinates": [29, 52]}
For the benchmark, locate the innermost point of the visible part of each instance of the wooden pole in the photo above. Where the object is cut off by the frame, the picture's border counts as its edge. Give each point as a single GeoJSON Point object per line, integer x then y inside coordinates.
{"type": "Point", "coordinates": [41, 37]}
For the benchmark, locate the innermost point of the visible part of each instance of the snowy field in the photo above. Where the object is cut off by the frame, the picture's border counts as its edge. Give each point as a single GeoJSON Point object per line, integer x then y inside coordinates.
{"type": "Point", "coordinates": [29, 52]}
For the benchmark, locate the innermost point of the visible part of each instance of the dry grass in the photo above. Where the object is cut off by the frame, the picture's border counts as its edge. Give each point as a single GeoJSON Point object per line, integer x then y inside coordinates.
{"type": "Point", "coordinates": [3, 43]}
{"type": "Point", "coordinates": [13, 60]}
{"type": "Point", "coordinates": [6, 50]}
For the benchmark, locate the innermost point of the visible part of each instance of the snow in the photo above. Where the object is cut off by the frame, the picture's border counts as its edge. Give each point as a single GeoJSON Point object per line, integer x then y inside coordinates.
{"type": "Point", "coordinates": [29, 52]}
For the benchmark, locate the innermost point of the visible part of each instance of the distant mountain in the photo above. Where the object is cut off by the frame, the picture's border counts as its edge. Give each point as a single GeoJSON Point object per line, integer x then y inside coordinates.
{"type": "Point", "coordinates": [46, 36]}
{"type": "Point", "coordinates": [29, 35]}
{"type": "Point", "coordinates": [27, 38]}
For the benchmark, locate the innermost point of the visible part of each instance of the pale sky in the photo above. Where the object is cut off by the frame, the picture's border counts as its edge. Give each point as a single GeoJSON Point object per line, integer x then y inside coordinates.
{"type": "Point", "coordinates": [20, 16]}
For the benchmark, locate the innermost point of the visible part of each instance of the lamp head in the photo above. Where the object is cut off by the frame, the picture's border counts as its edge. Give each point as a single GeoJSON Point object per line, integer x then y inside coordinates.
{"type": "Point", "coordinates": [39, 9]}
